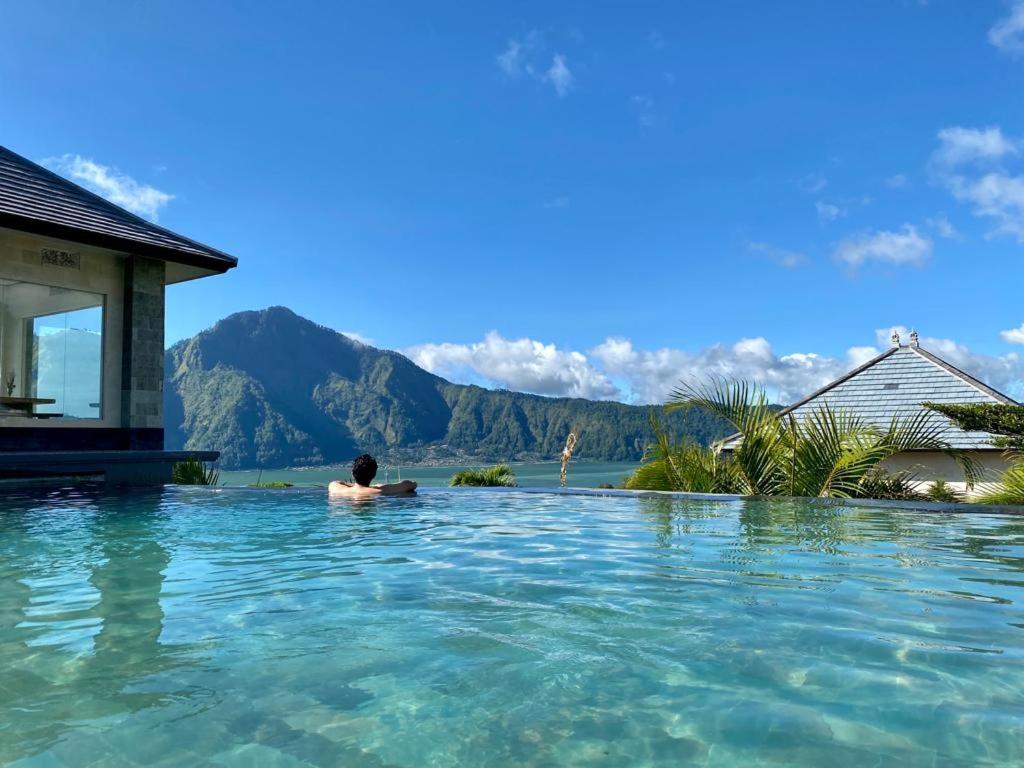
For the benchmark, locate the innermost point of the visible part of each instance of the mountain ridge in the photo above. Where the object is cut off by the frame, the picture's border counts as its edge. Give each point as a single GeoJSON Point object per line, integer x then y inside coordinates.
{"type": "Point", "coordinates": [269, 388]}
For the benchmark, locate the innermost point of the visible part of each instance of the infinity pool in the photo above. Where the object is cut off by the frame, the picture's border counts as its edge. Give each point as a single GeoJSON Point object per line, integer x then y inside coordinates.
{"type": "Point", "coordinates": [277, 628]}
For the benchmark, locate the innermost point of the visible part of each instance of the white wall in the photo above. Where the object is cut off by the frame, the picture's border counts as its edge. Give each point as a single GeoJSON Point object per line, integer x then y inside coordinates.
{"type": "Point", "coordinates": [929, 466]}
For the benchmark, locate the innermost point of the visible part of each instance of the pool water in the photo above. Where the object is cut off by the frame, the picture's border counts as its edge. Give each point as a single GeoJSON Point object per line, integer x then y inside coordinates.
{"type": "Point", "coordinates": [486, 628]}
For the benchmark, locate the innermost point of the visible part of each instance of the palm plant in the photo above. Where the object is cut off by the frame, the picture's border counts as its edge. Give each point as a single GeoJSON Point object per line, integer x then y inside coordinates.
{"type": "Point", "coordinates": [824, 453]}
{"type": "Point", "coordinates": [687, 467]}
{"type": "Point", "coordinates": [1010, 489]}
{"type": "Point", "coordinates": [898, 486]}
{"type": "Point", "coordinates": [500, 475]}
{"type": "Point", "coordinates": [194, 472]}
{"type": "Point", "coordinates": [940, 490]}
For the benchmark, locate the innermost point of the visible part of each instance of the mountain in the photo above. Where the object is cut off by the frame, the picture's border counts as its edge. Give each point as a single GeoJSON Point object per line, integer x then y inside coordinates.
{"type": "Point", "coordinates": [272, 389]}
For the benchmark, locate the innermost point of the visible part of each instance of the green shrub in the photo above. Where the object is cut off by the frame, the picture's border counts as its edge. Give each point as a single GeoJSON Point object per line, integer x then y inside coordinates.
{"type": "Point", "coordinates": [271, 484]}
{"type": "Point", "coordinates": [1010, 489]}
{"type": "Point", "coordinates": [1004, 421]}
{"type": "Point", "coordinates": [940, 490]}
{"type": "Point", "coordinates": [686, 467]}
{"type": "Point", "coordinates": [898, 486]}
{"type": "Point", "coordinates": [492, 477]}
{"type": "Point", "coordinates": [194, 472]}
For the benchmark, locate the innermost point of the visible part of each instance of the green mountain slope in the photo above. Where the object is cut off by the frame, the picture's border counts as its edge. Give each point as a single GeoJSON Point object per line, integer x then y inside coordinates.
{"type": "Point", "coordinates": [272, 389]}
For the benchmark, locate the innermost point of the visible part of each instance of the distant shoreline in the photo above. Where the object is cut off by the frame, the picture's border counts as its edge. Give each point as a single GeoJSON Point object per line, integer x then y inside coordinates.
{"type": "Point", "coordinates": [582, 473]}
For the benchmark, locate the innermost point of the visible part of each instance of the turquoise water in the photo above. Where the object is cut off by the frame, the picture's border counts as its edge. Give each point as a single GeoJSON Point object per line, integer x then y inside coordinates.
{"type": "Point", "coordinates": [582, 474]}
{"type": "Point", "coordinates": [477, 628]}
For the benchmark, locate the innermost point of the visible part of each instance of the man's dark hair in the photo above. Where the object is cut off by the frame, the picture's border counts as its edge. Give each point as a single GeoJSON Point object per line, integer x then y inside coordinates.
{"type": "Point", "coordinates": [364, 469]}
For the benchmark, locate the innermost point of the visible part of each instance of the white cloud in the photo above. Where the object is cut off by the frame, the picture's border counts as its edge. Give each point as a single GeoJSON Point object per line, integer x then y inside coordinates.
{"type": "Point", "coordinates": [511, 59]}
{"type": "Point", "coordinates": [899, 181]}
{"type": "Point", "coordinates": [521, 364]}
{"type": "Point", "coordinates": [995, 195]}
{"type": "Point", "coordinates": [813, 183]}
{"type": "Point", "coordinates": [972, 164]}
{"type": "Point", "coordinates": [943, 227]}
{"type": "Point", "coordinates": [523, 56]}
{"type": "Point", "coordinates": [644, 107]}
{"type": "Point", "coordinates": [781, 256]}
{"type": "Point", "coordinates": [1008, 33]}
{"type": "Point", "coordinates": [559, 202]}
{"type": "Point", "coordinates": [828, 211]}
{"type": "Point", "coordinates": [357, 336]}
{"type": "Point", "coordinates": [616, 369]}
{"type": "Point", "coordinates": [651, 374]}
{"type": "Point", "coordinates": [908, 246]}
{"type": "Point", "coordinates": [559, 75]}
{"type": "Point", "coordinates": [958, 145]}
{"type": "Point", "coordinates": [110, 183]}
{"type": "Point", "coordinates": [1014, 335]}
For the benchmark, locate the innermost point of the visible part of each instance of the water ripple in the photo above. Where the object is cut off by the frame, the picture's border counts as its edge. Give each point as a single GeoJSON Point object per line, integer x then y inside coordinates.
{"type": "Point", "coordinates": [230, 627]}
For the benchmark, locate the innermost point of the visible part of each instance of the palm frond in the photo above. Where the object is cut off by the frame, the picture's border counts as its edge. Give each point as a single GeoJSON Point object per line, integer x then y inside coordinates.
{"type": "Point", "coordinates": [745, 406]}
{"type": "Point", "coordinates": [686, 467]}
{"type": "Point", "coordinates": [194, 472]}
{"type": "Point", "coordinates": [832, 451]}
{"type": "Point", "coordinates": [922, 431]}
{"type": "Point", "coordinates": [1010, 489]}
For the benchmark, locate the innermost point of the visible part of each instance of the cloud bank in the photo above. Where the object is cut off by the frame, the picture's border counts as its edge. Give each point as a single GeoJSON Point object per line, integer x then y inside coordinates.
{"type": "Point", "coordinates": [616, 369]}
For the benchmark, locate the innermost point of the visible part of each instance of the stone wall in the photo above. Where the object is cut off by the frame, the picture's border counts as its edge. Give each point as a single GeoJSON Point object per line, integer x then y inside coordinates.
{"type": "Point", "coordinates": [142, 357]}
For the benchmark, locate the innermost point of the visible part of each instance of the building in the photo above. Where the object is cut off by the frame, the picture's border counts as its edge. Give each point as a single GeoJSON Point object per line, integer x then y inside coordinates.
{"type": "Point", "coordinates": [82, 329]}
{"type": "Point", "coordinates": [896, 383]}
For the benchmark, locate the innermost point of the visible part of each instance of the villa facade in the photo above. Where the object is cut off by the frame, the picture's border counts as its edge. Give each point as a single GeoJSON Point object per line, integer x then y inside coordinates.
{"type": "Point", "coordinates": [896, 383]}
{"type": "Point", "coordinates": [82, 328]}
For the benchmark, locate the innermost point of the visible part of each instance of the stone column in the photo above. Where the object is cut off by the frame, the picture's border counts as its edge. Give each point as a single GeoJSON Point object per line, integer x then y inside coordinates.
{"type": "Point", "coordinates": [142, 355]}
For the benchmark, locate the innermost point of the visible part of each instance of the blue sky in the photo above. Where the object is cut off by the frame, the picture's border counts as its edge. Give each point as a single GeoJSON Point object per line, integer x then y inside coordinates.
{"type": "Point", "coordinates": [568, 198]}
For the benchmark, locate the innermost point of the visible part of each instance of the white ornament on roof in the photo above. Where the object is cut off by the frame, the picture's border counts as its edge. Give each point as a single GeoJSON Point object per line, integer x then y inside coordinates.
{"type": "Point", "coordinates": [913, 339]}
{"type": "Point", "coordinates": [895, 338]}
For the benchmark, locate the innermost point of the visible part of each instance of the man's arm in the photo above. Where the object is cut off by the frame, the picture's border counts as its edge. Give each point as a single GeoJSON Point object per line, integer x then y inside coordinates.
{"type": "Point", "coordinates": [397, 489]}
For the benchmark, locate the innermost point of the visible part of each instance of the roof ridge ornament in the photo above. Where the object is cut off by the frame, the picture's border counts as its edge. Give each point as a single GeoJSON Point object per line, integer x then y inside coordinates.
{"type": "Point", "coordinates": [913, 339]}
{"type": "Point", "coordinates": [895, 338]}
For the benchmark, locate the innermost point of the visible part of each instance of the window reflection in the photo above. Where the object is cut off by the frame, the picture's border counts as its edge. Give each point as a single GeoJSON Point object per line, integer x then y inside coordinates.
{"type": "Point", "coordinates": [51, 352]}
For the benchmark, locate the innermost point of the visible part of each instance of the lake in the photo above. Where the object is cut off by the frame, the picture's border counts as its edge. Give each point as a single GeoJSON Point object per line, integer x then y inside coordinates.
{"type": "Point", "coordinates": [582, 474]}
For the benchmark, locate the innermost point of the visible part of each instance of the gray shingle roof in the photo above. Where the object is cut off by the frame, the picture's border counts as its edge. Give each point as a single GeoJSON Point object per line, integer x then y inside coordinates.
{"type": "Point", "coordinates": [895, 384]}
{"type": "Point", "coordinates": [35, 200]}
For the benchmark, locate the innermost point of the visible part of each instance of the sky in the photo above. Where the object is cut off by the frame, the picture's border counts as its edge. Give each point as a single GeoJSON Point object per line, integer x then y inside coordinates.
{"type": "Point", "coordinates": [576, 198]}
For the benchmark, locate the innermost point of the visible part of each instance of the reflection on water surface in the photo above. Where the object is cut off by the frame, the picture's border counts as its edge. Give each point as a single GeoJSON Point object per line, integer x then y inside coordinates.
{"type": "Point", "coordinates": [280, 628]}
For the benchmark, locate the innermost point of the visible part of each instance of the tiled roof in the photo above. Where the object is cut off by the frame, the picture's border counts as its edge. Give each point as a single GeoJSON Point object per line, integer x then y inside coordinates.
{"type": "Point", "coordinates": [33, 199]}
{"type": "Point", "coordinates": [895, 384]}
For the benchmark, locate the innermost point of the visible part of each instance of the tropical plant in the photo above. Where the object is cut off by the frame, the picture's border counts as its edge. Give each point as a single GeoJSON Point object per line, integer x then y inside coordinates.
{"type": "Point", "coordinates": [823, 453]}
{"type": "Point", "coordinates": [879, 484]}
{"type": "Point", "coordinates": [1010, 489]}
{"type": "Point", "coordinates": [940, 490]}
{"type": "Point", "coordinates": [271, 484]}
{"type": "Point", "coordinates": [500, 475]}
{"type": "Point", "coordinates": [684, 467]}
{"type": "Point", "coordinates": [194, 472]}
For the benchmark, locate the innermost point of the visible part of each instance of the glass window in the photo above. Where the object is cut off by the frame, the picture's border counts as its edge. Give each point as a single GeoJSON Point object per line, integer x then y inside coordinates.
{"type": "Point", "coordinates": [51, 352]}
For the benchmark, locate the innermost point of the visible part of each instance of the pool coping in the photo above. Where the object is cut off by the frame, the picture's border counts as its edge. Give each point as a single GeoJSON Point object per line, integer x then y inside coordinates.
{"type": "Point", "coordinates": [914, 506]}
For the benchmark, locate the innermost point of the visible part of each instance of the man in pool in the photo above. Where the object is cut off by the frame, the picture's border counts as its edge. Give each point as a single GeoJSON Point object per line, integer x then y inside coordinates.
{"type": "Point", "coordinates": [364, 469]}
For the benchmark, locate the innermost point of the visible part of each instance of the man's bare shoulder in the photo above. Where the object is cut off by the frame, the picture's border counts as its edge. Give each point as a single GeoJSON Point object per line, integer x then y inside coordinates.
{"type": "Point", "coordinates": [339, 488]}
